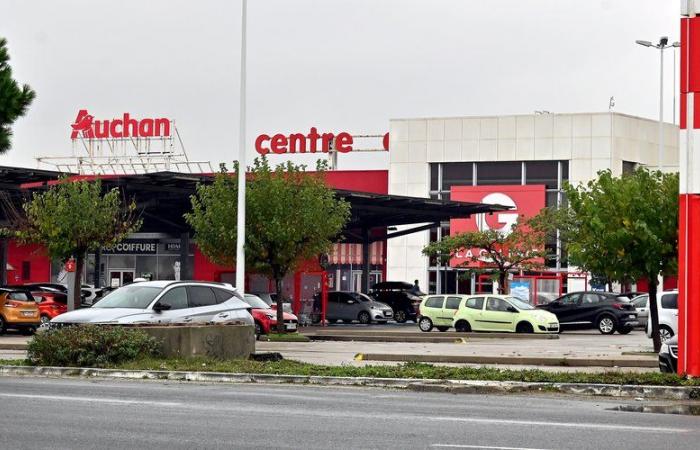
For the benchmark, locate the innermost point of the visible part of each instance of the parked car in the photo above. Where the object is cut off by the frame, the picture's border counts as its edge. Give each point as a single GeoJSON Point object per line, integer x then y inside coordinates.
{"type": "Point", "coordinates": [164, 302]}
{"type": "Point", "coordinates": [631, 295]}
{"type": "Point", "coordinates": [605, 311]}
{"type": "Point", "coordinates": [271, 299]}
{"type": "Point", "coordinates": [18, 311]}
{"type": "Point", "coordinates": [667, 306]}
{"type": "Point", "coordinates": [51, 304]}
{"type": "Point", "coordinates": [438, 311]}
{"type": "Point", "coordinates": [265, 318]}
{"type": "Point", "coordinates": [641, 303]}
{"type": "Point", "coordinates": [500, 313]}
{"type": "Point", "coordinates": [350, 306]}
{"type": "Point", "coordinates": [400, 296]}
{"type": "Point", "coordinates": [668, 355]}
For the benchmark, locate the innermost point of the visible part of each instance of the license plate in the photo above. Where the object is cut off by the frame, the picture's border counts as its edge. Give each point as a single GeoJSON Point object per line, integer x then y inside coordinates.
{"type": "Point", "coordinates": [387, 313]}
{"type": "Point", "coordinates": [27, 313]}
{"type": "Point", "coordinates": [632, 316]}
{"type": "Point", "coordinates": [291, 326]}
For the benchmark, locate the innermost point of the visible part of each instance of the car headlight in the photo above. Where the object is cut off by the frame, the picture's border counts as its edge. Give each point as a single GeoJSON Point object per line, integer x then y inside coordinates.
{"type": "Point", "coordinates": [271, 316]}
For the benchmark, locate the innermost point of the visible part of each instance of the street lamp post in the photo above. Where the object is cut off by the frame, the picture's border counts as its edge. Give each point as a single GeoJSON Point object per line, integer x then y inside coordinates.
{"type": "Point", "coordinates": [240, 219]}
{"type": "Point", "coordinates": [663, 43]}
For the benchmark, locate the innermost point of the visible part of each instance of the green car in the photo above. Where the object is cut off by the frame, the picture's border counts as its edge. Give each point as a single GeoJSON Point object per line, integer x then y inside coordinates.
{"type": "Point", "coordinates": [502, 313]}
{"type": "Point", "coordinates": [439, 311]}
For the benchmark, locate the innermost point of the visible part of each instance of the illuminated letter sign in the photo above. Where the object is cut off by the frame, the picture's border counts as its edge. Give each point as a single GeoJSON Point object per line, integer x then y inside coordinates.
{"type": "Point", "coordinates": [86, 126]}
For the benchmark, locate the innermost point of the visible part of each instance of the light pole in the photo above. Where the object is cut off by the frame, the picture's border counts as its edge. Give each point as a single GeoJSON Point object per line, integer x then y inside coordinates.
{"type": "Point", "coordinates": [663, 43]}
{"type": "Point", "coordinates": [240, 219]}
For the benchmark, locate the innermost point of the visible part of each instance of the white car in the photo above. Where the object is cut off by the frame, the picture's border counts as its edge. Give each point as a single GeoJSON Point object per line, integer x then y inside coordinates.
{"type": "Point", "coordinates": [667, 302]}
{"type": "Point", "coordinates": [161, 302]}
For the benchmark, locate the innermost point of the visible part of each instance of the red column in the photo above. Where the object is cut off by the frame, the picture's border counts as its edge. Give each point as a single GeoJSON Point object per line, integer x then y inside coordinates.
{"type": "Point", "coordinates": [689, 206]}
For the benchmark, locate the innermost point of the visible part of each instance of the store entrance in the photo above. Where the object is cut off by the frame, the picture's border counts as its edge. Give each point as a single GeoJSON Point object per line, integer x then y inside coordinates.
{"type": "Point", "coordinates": [120, 277]}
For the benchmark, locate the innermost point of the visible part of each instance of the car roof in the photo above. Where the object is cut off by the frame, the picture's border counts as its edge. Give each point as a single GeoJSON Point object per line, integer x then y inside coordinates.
{"type": "Point", "coordinates": [166, 283]}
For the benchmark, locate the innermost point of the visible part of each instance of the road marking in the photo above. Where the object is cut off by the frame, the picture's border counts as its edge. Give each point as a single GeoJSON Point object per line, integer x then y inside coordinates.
{"type": "Point", "coordinates": [483, 447]}
{"type": "Point", "coordinates": [90, 399]}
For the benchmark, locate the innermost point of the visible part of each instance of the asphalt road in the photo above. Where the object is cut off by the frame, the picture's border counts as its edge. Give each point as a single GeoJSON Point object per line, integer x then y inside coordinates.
{"type": "Point", "coordinates": [77, 414]}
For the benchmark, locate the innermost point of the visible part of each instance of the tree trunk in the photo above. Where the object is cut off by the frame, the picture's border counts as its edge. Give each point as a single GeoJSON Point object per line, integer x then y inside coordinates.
{"type": "Point", "coordinates": [280, 305]}
{"type": "Point", "coordinates": [654, 312]}
{"type": "Point", "coordinates": [77, 283]}
{"type": "Point", "coordinates": [502, 279]}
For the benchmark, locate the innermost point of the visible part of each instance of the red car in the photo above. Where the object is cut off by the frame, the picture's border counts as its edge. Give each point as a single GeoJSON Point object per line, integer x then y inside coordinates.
{"type": "Point", "coordinates": [266, 318]}
{"type": "Point", "coordinates": [51, 305]}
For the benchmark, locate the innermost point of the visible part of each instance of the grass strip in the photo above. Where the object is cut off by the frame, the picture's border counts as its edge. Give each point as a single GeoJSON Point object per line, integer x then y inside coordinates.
{"type": "Point", "coordinates": [406, 370]}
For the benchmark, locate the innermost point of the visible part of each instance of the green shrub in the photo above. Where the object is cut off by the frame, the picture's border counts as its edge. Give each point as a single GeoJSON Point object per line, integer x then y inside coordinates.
{"type": "Point", "coordinates": [90, 346]}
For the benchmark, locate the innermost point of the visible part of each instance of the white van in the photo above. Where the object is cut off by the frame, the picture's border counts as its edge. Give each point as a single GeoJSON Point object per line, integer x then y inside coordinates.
{"type": "Point", "coordinates": [667, 302]}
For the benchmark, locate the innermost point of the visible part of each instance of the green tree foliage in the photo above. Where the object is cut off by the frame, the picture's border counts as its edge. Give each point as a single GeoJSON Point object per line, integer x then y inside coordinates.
{"type": "Point", "coordinates": [73, 218]}
{"type": "Point", "coordinates": [624, 228]}
{"type": "Point", "coordinates": [14, 100]}
{"type": "Point", "coordinates": [522, 248]}
{"type": "Point", "coordinates": [291, 216]}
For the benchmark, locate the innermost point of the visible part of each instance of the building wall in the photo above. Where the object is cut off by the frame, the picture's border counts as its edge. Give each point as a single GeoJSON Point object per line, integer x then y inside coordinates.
{"type": "Point", "coordinates": [33, 257]}
{"type": "Point", "coordinates": [589, 141]}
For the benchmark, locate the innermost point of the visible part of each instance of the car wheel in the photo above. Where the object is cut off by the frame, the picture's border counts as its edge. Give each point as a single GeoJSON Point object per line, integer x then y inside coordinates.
{"type": "Point", "coordinates": [442, 329]}
{"type": "Point", "coordinates": [463, 326]}
{"type": "Point", "coordinates": [400, 316]}
{"type": "Point", "coordinates": [625, 330]}
{"type": "Point", "coordinates": [45, 319]}
{"type": "Point", "coordinates": [665, 333]}
{"type": "Point", "coordinates": [425, 324]}
{"type": "Point", "coordinates": [364, 318]}
{"type": "Point", "coordinates": [524, 327]}
{"type": "Point", "coordinates": [606, 324]}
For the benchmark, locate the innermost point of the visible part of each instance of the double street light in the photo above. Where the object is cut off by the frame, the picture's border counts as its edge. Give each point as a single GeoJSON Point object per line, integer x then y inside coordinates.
{"type": "Point", "coordinates": [663, 44]}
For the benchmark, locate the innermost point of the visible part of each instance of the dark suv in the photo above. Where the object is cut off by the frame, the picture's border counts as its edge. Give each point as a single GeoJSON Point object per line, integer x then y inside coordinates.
{"type": "Point", "coordinates": [401, 296]}
{"type": "Point", "coordinates": [605, 311]}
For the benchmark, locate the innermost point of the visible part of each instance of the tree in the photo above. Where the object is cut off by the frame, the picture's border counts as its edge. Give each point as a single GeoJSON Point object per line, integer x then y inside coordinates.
{"type": "Point", "coordinates": [14, 100]}
{"type": "Point", "coordinates": [291, 217]}
{"type": "Point", "coordinates": [520, 248]}
{"type": "Point", "coordinates": [73, 218]}
{"type": "Point", "coordinates": [625, 228]}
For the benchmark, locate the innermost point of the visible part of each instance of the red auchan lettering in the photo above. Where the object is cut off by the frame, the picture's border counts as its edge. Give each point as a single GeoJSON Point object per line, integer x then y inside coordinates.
{"type": "Point", "coordinates": [86, 126]}
{"type": "Point", "coordinates": [313, 142]}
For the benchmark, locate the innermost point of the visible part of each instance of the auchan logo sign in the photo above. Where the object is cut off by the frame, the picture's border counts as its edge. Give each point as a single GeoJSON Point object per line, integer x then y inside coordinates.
{"type": "Point", "coordinates": [311, 142]}
{"type": "Point", "coordinates": [86, 126]}
{"type": "Point", "coordinates": [525, 201]}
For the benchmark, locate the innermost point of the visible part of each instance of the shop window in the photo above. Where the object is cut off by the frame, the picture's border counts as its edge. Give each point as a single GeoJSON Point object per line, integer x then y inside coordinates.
{"type": "Point", "coordinates": [434, 169]}
{"type": "Point", "coordinates": [564, 170]}
{"type": "Point", "coordinates": [551, 199]}
{"type": "Point", "coordinates": [491, 173]}
{"type": "Point", "coordinates": [542, 172]}
{"type": "Point", "coordinates": [456, 174]}
{"type": "Point", "coordinates": [26, 270]}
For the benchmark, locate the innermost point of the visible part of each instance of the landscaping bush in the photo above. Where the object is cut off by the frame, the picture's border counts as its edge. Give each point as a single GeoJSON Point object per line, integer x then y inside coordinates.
{"type": "Point", "coordinates": [91, 346]}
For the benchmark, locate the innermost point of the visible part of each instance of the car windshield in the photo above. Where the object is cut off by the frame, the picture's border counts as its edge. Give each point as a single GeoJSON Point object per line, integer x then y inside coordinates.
{"type": "Point", "coordinates": [256, 302]}
{"type": "Point", "coordinates": [360, 297]}
{"type": "Point", "coordinates": [132, 296]}
{"type": "Point", "coordinates": [519, 303]}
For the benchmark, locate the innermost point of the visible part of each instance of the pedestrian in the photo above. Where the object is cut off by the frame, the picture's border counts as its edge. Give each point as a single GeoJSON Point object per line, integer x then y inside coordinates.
{"type": "Point", "coordinates": [415, 290]}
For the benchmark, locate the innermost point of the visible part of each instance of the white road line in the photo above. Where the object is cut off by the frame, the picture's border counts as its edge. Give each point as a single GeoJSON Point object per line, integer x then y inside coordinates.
{"type": "Point", "coordinates": [482, 447]}
{"type": "Point", "coordinates": [90, 399]}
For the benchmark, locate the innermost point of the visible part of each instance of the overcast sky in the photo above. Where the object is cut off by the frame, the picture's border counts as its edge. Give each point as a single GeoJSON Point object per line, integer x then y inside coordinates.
{"type": "Point", "coordinates": [339, 65]}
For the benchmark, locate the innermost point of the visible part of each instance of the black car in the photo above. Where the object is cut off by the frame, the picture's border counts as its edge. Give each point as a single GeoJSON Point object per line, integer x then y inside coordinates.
{"type": "Point", "coordinates": [605, 311]}
{"type": "Point", "coordinates": [668, 356]}
{"type": "Point", "coordinates": [401, 296]}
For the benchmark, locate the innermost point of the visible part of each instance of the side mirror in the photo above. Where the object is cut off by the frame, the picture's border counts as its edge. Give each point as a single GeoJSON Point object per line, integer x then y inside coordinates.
{"type": "Point", "coordinates": [160, 307]}
{"type": "Point", "coordinates": [512, 309]}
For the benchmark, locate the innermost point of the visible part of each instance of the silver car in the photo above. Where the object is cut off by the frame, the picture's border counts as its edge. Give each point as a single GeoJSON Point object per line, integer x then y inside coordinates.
{"type": "Point", "coordinates": [350, 306]}
{"type": "Point", "coordinates": [161, 302]}
{"type": "Point", "coordinates": [642, 304]}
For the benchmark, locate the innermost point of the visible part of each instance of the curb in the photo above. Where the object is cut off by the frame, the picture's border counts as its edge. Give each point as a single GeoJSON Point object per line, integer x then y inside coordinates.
{"type": "Point", "coordinates": [509, 360]}
{"type": "Point", "coordinates": [411, 384]}
{"type": "Point", "coordinates": [13, 346]}
{"type": "Point", "coordinates": [388, 336]}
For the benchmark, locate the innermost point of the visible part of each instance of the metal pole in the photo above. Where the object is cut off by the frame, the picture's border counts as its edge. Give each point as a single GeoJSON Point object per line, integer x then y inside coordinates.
{"type": "Point", "coordinates": [674, 85]}
{"type": "Point", "coordinates": [240, 222]}
{"type": "Point", "coordinates": [661, 110]}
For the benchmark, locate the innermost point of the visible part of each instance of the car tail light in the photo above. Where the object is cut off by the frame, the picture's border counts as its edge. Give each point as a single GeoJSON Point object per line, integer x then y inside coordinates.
{"type": "Point", "coordinates": [11, 304]}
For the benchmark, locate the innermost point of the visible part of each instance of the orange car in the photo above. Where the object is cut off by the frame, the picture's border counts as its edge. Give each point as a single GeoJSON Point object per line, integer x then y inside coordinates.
{"type": "Point", "coordinates": [18, 310]}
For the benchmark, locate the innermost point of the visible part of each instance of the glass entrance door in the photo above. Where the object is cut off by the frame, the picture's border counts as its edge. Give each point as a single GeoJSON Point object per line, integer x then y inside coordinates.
{"type": "Point", "coordinates": [120, 277]}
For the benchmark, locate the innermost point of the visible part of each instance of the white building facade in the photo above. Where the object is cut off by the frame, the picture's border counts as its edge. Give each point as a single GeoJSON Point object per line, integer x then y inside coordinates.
{"type": "Point", "coordinates": [429, 157]}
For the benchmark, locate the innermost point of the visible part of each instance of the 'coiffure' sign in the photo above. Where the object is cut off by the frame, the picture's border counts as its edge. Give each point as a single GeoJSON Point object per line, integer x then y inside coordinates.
{"type": "Point", "coordinates": [133, 247]}
{"type": "Point", "coordinates": [86, 126]}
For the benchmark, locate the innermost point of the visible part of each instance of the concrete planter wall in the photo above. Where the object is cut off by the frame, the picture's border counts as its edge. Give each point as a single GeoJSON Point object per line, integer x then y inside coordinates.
{"type": "Point", "coordinates": [215, 341]}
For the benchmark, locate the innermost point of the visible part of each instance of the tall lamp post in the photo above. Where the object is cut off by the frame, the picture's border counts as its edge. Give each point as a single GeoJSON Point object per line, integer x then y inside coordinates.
{"type": "Point", "coordinates": [240, 219]}
{"type": "Point", "coordinates": [663, 44]}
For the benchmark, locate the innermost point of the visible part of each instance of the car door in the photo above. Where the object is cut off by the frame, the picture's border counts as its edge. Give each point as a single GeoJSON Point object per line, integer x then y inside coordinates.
{"type": "Point", "coordinates": [432, 308]}
{"type": "Point", "coordinates": [641, 303]}
{"type": "Point", "coordinates": [565, 307]}
{"type": "Point", "coordinates": [332, 308]}
{"type": "Point", "coordinates": [449, 309]}
{"type": "Point", "coordinates": [177, 299]}
{"type": "Point", "coordinates": [496, 316]}
{"type": "Point", "coordinates": [668, 313]}
{"type": "Point", "coordinates": [203, 305]}
{"type": "Point", "coordinates": [473, 311]}
{"type": "Point", "coordinates": [588, 307]}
